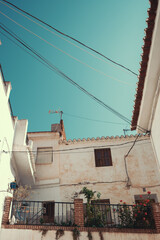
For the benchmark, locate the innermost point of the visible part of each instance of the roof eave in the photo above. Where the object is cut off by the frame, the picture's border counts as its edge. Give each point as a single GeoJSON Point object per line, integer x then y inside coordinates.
{"type": "Point", "coordinates": [144, 63]}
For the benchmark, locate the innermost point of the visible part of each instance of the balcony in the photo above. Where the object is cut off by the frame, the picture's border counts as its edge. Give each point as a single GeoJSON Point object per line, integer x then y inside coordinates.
{"type": "Point", "coordinates": [94, 215]}
{"type": "Point", "coordinates": [43, 213]}
{"type": "Point", "coordinates": [22, 154]}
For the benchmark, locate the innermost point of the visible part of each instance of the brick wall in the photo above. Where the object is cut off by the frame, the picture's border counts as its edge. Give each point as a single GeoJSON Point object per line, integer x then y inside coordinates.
{"type": "Point", "coordinates": [78, 212]}
{"type": "Point", "coordinates": [156, 215]}
{"type": "Point", "coordinates": [79, 220]}
{"type": "Point", "coordinates": [7, 204]}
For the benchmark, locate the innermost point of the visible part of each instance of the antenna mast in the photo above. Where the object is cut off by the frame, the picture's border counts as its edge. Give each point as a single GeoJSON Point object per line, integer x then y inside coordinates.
{"type": "Point", "coordinates": [59, 112]}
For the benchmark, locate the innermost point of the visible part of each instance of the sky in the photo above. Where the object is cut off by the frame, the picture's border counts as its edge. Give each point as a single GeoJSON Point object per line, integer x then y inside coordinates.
{"type": "Point", "coordinates": [114, 28]}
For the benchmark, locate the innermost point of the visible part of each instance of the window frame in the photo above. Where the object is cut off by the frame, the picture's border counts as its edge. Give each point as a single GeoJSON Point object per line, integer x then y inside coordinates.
{"type": "Point", "coordinates": [103, 203]}
{"type": "Point", "coordinates": [105, 161]}
{"type": "Point", "coordinates": [153, 198]}
{"type": "Point", "coordinates": [44, 163]}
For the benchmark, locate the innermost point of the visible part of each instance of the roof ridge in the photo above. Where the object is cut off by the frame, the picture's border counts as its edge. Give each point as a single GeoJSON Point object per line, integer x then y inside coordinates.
{"type": "Point", "coordinates": [102, 138]}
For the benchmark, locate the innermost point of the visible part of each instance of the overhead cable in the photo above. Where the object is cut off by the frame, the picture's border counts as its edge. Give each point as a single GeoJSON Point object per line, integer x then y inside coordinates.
{"type": "Point", "coordinates": [72, 38]}
{"type": "Point", "coordinates": [91, 119]}
{"type": "Point", "coordinates": [69, 55]}
{"type": "Point", "coordinates": [117, 145]}
{"type": "Point", "coordinates": [59, 72]}
{"type": "Point", "coordinates": [51, 31]}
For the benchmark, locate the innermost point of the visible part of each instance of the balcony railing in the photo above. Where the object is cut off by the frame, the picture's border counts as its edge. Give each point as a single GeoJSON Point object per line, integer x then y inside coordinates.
{"type": "Point", "coordinates": [118, 216]}
{"type": "Point", "coordinates": [46, 213]}
{"type": "Point", "coordinates": [95, 214]}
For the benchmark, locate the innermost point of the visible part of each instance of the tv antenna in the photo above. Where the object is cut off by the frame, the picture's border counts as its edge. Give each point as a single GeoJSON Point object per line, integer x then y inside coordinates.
{"type": "Point", "coordinates": [59, 112]}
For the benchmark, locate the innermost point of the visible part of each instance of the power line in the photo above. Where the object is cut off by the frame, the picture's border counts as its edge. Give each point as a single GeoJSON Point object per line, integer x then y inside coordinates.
{"type": "Point", "coordinates": [69, 55]}
{"type": "Point", "coordinates": [91, 119]}
{"type": "Point", "coordinates": [82, 148]}
{"type": "Point", "coordinates": [125, 161]}
{"type": "Point", "coordinates": [59, 72]}
{"type": "Point", "coordinates": [51, 31]}
{"type": "Point", "coordinates": [20, 47]}
{"type": "Point", "coordinates": [74, 39]}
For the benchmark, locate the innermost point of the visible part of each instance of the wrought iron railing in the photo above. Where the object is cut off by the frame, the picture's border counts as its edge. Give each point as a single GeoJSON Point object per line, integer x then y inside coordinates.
{"type": "Point", "coordinates": [119, 216]}
{"type": "Point", "coordinates": [46, 213]}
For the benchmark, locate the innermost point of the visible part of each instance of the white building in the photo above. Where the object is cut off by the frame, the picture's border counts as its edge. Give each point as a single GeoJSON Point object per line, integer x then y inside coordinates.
{"type": "Point", "coordinates": [7, 125]}
{"type": "Point", "coordinates": [13, 164]}
{"type": "Point", "coordinates": [57, 169]}
{"type": "Point", "coordinates": [146, 112]}
{"type": "Point", "coordinates": [64, 167]}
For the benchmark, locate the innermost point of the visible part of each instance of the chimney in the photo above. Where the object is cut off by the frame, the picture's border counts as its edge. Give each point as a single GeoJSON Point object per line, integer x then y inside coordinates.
{"type": "Point", "coordinates": [62, 129]}
{"type": "Point", "coordinates": [59, 127]}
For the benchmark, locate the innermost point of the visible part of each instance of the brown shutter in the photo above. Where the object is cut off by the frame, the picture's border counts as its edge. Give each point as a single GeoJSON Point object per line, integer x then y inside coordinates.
{"type": "Point", "coordinates": [103, 157]}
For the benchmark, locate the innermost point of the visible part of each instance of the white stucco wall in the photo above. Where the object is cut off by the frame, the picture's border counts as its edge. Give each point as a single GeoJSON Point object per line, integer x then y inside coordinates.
{"type": "Point", "coordinates": [19, 234]}
{"type": "Point", "coordinates": [6, 141]}
{"type": "Point", "coordinates": [155, 132]}
{"type": "Point", "coordinates": [71, 170]}
{"type": "Point", "coordinates": [149, 116]}
{"type": "Point", "coordinates": [151, 78]}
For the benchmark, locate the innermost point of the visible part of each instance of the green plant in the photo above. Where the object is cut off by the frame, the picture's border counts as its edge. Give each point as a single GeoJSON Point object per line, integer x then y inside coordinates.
{"type": "Point", "coordinates": [125, 215]}
{"type": "Point", "coordinates": [44, 232]}
{"type": "Point", "coordinates": [59, 233]}
{"type": "Point", "coordinates": [89, 194]}
{"type": "Point", "coordinates": [41, 220]}
{"type": "Point", "coordinates": [22, 192]}
{"type": "Point", "coordinates": [94, 217]}
{"type": "Point", "coordinates": [138, 216]}
{"type": "Point", "coordinates": [101, 236]}
{"type": "Point", "coordinates": [75, 234]}
{"type": "Point", "coordinates": [142, 213]}
{"type": "Point", "coordinates": [89, 235]}
{"type": "Point", "coordinates": [67, 224]}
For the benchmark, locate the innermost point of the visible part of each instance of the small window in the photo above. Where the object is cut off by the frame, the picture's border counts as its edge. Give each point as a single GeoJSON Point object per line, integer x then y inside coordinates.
{"type": "Point", "coordinates": [44, 155]}
{"type": "Point", "coordinates": [103, 157]}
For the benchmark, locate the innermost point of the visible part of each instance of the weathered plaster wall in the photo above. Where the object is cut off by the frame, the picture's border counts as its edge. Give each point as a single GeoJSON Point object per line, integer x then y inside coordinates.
{"type": "Point", "coordinates": [6, 141]}
{"type": "Point", "coordinates": [155, 132]}
{"type": "Point", "coordinates": [19, 234]}
{"type": "Point", "coordinates": [72, 170]}
{"type": "Point", "coordinates": [49, 170]}
{"type": "Point", "coordinates": [149, 116]}
{"type": "Point", "coordinates": [110, 181]}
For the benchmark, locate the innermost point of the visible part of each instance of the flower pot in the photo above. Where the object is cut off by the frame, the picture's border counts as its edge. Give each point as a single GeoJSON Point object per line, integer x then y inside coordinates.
{"type": "Point", "coordinates": [13, 185]}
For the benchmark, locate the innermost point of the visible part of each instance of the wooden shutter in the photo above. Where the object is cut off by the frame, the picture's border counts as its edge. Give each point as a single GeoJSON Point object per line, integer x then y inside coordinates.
{"type": "Point", "coordinates": [103, 157]}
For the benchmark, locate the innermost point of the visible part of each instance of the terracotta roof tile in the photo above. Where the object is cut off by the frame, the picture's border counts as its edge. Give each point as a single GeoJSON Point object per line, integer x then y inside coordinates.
{"type": "Point", "coordinates": [101, 139]}
{"type": "Point", "coordinates": [143, 64]}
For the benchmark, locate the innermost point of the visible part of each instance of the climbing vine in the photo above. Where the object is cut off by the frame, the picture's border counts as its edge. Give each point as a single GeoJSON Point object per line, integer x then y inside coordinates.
{"type": "Point", "coordinates": [101, 236]}
{"type": "Point", "coordinates": [44, 232]}
{"type": "Point", "coordinates": [59, 233]}
{"type": "Point", "coordinates": [75, 234]}
{"type": "Point", "coordinates": [89, 235]}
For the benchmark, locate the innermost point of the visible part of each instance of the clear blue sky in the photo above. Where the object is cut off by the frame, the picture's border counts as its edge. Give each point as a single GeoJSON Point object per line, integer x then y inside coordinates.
{"type": "Point", "coordinates": [114, 28]}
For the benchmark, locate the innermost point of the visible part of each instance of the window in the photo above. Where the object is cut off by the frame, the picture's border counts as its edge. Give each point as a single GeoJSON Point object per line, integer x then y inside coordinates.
{"type": "Point", "coordinates": [44, 155]}
{"type": "Point", "coordinates": [153, 198]}
{"type": "Point", "coordinates": [104, 209]}
{"type": "Point", "coordinates": [103, 157]}
{"type": "Point", "coordinates": [101, 201]}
